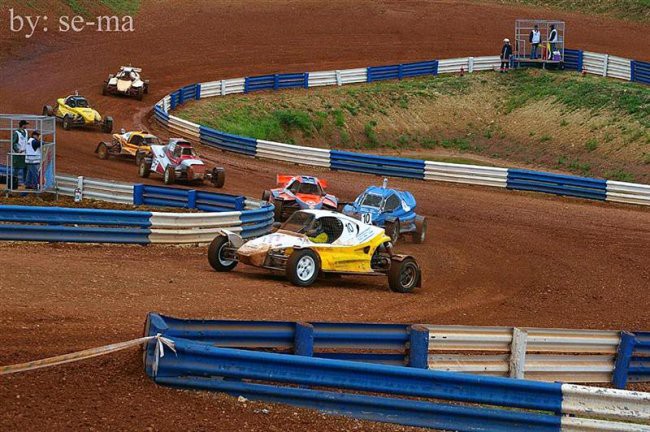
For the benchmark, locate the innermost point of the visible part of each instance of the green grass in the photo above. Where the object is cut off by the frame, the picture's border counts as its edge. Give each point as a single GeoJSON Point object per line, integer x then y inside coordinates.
{"type": "Point", "coordinates": [371, 134]}
{"type": "Point", "coordinates": [590, 93]}
{"type": "Point", "coordinates": [125, 7]}
{"type": "Point", "coordinates": [397, 115]}
{"type": "Point", "coordinates": [636, 10]}
{"type": "Point", "coordinates": [122, 7]}
{"type": "Point", "coordinates": [619, 175]}
{"type": "Point", "coordinates": [591, 144]}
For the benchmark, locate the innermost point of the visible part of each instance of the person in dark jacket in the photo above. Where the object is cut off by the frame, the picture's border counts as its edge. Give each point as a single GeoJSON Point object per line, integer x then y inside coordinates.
{"type": "Point", "coordinates": [506, 53]}
{"type": "Point", "coordinates": [18, 143]}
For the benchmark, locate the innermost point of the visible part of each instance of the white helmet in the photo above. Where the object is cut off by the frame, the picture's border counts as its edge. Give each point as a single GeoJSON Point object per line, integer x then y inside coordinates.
{"type": "Point", "coordinates": [506, 40]}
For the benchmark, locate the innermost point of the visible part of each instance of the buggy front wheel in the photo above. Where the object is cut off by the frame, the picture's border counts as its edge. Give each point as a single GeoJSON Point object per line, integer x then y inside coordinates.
{"type": "Point", "coordinates": [102, 151]}
{"type": "Point", "coordinates": [217, 254]}
{"type": "Point", "coordinates": [303, 267]}
{"type": "Point", "coordinates": [404, 276]}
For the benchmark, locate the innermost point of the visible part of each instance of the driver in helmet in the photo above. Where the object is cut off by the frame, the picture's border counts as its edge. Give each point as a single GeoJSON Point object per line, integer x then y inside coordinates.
{"type": "Point", "coordinates": [317, 233]}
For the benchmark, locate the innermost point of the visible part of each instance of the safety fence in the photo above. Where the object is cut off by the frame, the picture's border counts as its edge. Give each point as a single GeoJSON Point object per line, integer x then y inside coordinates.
{"type": "Point", "coordinates": [578, 356]}
{"type": "Point", "coordinates": [249, 218]}
{"type": "Point", "coordinates": [209, 356]}
{"type": "Point", "coordinates": [515, 179]}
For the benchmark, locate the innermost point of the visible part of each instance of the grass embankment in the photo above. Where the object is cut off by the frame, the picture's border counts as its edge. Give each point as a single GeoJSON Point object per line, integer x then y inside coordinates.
{"type": "Point", "coordinates": [635, 10]}
{"type": "Point", "coordinates": [586, 125]}
{"type": "Point", "coordinates": [85, 7]}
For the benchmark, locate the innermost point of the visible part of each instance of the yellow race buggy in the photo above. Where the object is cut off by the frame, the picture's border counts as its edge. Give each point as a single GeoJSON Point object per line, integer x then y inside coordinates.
{"type": "Point", "coordinates": [74, 111]}
{"type": "Point", "coordinates": [134, 144]}
{"type": "Point", "coordinates": [312, 242]}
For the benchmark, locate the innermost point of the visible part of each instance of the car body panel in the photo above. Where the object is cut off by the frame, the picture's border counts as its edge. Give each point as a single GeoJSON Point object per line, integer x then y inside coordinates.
{"type": "Point", "coordinates": [126, 81]}
{"type": "Point", "coordinates": [88, 115]}
{"type": "Point", "coordinates": [372, 206]}
{"type": "Point", "coordinates": [292, 192]}
{"type": "Point", "coordinates": [350, 252]}
{"type": "Point", "coordinates": [130, 143]}
{"type": "Point", "coordinates": [188, 167]}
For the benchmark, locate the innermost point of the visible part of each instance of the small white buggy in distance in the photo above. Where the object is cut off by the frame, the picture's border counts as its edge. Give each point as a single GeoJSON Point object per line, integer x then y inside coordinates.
{"type": "Point", "coordinates": [178, 161]}
{"type": "Point", "coordinates": [126, 82]}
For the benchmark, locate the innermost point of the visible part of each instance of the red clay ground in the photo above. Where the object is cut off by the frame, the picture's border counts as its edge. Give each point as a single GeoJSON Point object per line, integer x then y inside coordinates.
{"type": "Point", "coordinates": [493, 257]}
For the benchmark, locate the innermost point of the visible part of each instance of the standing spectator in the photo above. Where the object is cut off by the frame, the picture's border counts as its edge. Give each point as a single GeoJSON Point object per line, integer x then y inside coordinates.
{"type": "Point", "coordinates": [552, 40]}
{"type": "Point", "coordinates": [535, 38]}
{"type": "Point", "coordinates": [506, 52]}
{"type": "Point", "coordinates": [18, 144]}
{"type": "Point", "coordinates": [33, 161]}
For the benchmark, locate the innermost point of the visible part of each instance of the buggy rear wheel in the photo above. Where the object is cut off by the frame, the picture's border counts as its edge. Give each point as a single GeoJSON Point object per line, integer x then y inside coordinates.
{"type": "Point", "coordinates": [218, 177]}
{"type": "Point", "coordinates": [48, 111]}
{"type": "Point", "coordinates": [107, 126]}
{"type": "Point", "coordinates": [303, 267]}
{"type": "Point", "coordinates": [140, 94]}
{"type": "Point", "coordinates": [102, 151]}
{"type": "Point", "coordinates": [217, 256]}
{"type": "Point", "coordinates": [403, 276]}
{"type": "Point", "coordinates": [277, 213]}
{"type": "Point", "coordinates": [266, 195]}
{"type": "Point", "coordinates": [169, 177]}
{"type": "Point", "coordinates": [67, 122]}
{"type": "Point", "coordinates": [144, 169]}
{"type": "Point", "coordinates": [420, 233]}
{"type": "Point", "coordinates": [139, 157]}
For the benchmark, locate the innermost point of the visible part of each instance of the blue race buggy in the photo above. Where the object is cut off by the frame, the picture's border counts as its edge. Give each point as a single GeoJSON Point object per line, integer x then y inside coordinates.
{"type": "Point", "coordinates": [391, 209]}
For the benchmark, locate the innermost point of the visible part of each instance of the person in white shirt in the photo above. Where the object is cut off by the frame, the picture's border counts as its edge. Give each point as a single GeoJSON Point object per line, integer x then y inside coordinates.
{"type": "Point", "coordinates": [33, 161]}
{"type": "Point", "coordinates": [535, 38]}
{"type": "Point", "coordinates": [552, 40]}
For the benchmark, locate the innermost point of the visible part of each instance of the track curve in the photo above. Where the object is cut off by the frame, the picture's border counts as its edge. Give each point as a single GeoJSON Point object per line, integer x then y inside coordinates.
{"type": "Point", "coordinates": [485, 244]}
{"type": "Point", "coordinates": [492, 256]}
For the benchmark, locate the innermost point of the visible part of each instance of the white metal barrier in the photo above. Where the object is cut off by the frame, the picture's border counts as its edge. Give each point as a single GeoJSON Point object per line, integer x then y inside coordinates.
{"type": "Point", "coordinates": [104, 190]}
{"type": "Point", "coordinates": [184, 128]}
{"type": "Point", "coordinates": [546, 354]}
{"type": "Point", "coordinates": [294, 154]}
{"type": "Point", "coordinates": [631, 193]}
{"type": "Point", "coordinates": [470, 174]}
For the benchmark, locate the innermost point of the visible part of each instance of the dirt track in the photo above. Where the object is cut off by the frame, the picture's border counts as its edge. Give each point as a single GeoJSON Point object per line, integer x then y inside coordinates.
{"type": "Point", "coordinates": [492, 257]}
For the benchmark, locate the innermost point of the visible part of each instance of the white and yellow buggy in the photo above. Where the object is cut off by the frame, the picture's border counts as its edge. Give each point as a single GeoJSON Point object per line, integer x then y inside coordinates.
{"type": "Point", "coordinates": [312, 242]}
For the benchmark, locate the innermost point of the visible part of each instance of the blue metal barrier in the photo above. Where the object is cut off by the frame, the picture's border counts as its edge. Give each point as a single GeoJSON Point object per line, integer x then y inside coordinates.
{"type": "Point", "coordinates": [390, 410]}
{"type": "Point", "coordinates": [187, 198]}
{"type": "Point", "coordinates": [573, 59]}
{"type": "Point", "coordinates": [201, 365]}
{"type": "Point", "coordinates": [404, 70]}
{"type": "Point", "coordinates": [380, 165]}
{"type": "Point", "coordinates": [640, 71]}
{"type": "Point", "coordinates": [276, 82]}
{"type": "Point", "coordinates": [225, 141]}
{"type": "Point", "coordinates": [161, 115]}
{"type": "Point", "coordinates": [59, 224]}
{"type": "Point", "coordinates": [640, 360]}
{"type": "Point", "coordinates": [49, 233]}
{"type": "Point", "coordinates": [374, 343]}
{"type": "Point", "coordinates": [257, 222]}
{"type": "Point", "coordinates": [73, 216]}
{"type": "Point", "coordinates": [558, 184]}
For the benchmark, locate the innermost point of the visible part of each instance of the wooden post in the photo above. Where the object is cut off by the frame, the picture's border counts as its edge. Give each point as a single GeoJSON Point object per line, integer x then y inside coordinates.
{"type": "Point", "coordinates": [518, 353]}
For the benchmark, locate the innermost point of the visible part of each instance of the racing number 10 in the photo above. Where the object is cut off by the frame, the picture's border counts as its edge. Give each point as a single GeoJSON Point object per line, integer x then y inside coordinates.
{"type": "Point", "coordinates": [366, 218]}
